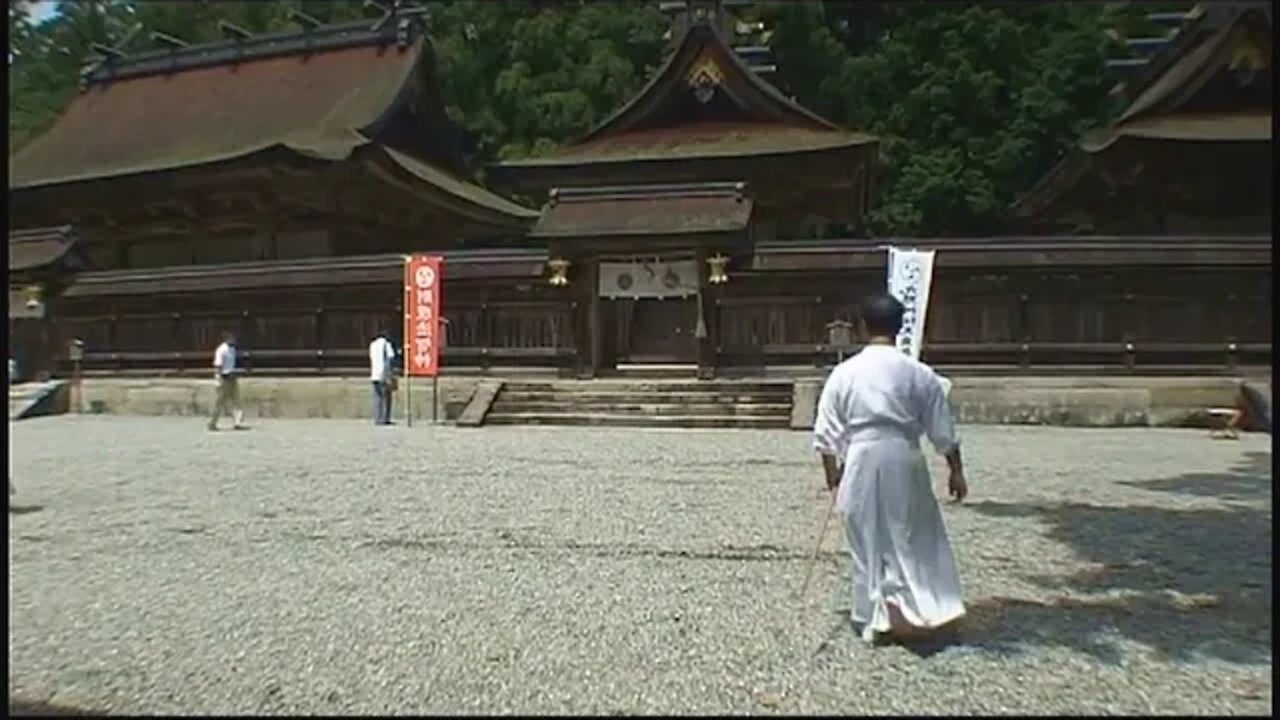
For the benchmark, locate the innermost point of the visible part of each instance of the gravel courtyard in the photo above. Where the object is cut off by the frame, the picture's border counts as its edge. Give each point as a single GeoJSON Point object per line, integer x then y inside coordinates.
{"type": "Point", "coordinates": [325, 566]}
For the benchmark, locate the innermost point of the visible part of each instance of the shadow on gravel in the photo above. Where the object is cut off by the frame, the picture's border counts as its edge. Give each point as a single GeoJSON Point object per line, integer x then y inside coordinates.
{"type": "Point", "coordinates": [32, 708]}
{"type": "Point", "coordinates": [1188, 583]}
{"type": "Point", "coordinates": [1248, 480]}
{"type": "Point", "coordinates": [24, 509]}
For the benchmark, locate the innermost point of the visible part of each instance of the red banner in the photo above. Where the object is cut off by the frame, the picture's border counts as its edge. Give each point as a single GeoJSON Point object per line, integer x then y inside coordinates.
{"type": "Point", "coordinates": [422, 278]}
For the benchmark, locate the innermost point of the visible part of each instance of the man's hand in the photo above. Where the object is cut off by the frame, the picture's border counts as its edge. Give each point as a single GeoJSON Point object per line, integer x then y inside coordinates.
{"type": "Point", "coordinates": [956, 486]}
{"type": "Point", "coordinates": [833, 471]}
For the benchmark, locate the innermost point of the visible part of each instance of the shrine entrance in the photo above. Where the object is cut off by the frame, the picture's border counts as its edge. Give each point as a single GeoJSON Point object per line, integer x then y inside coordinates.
{"type": "Point", "coordinates": [653, 331]}
{"type": "Point", "coordinates": [649, 310]}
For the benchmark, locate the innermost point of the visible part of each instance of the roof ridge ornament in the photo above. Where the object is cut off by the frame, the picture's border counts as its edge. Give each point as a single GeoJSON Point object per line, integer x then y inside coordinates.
{"type": "Point", "coordinates": [307, 22]}
{"type": "Point", "coordinates": [173, 43]}
{"type": "Point", "coordinates": [704, 77]}
{"type": "Point", "coordinates": [106, 55]}
{"type": "Point", "coordinates": [233, 32]}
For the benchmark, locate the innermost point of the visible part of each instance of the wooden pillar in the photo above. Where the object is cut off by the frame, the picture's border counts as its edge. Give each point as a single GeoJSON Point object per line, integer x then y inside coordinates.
{"type": "Point", "coordinates": [176, 343]}
{"type": "Point", "coordinates": [704, 330]}
{"type": "Point", "coordinates": [583, 284]}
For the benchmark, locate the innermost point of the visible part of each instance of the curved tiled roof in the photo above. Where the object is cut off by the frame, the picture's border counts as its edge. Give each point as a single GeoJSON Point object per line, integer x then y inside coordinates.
{"type": "Point", "coordinates": [1160, 106]}
{"type": "Point", "coordinates": [321, 94]}
{"type": "Point", "coordinates": [316, 104]}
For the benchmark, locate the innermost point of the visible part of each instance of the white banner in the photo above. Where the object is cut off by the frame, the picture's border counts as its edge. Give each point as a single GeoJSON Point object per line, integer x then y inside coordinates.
{"type": "Point", "coordinates": [653, 279]}
{"type": "Point", "coordinates": [910, 277]}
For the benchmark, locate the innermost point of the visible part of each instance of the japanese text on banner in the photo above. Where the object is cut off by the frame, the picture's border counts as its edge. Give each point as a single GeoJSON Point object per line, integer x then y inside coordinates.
{"type": "Point", "coordinates": [422, 314]}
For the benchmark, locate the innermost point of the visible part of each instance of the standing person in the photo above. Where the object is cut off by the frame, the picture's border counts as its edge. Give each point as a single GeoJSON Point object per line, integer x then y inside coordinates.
{"type": "Point", "coordinates": [382, 356]}
{"type": "Point", "coordinates": [872, 412]}
{"type": "Point", "coordinates": [226, 372]}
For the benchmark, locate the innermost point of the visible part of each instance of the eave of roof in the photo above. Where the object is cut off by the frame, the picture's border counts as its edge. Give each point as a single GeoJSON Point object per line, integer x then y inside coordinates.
{"type": "Point", "coordinates": [700, 141]}
{"type": "Point", "coordinates": [1183, 74]}
{"type": "Point", "coordinates": [359, 270]}
{"type": "Point", "coordinates": [463, 190]}
{"type": "Point", "coordinates": [35, 249]}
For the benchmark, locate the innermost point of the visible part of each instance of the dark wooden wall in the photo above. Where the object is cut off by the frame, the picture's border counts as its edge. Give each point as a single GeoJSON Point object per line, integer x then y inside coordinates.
{"type": "Point", "coordinates": [1123, 318]}
{"type": "Point", "coordinates": [316, 330]}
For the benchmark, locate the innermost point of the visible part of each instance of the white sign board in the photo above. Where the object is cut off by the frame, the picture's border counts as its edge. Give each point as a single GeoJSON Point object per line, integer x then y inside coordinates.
{"type": "Point", "coordinates": [651, 279]}
{"type": "Point", "coordinates": [910, 278]}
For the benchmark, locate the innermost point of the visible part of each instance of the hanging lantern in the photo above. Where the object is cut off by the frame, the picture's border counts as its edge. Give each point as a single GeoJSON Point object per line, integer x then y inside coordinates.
{"type": "Point", "coordinates": [559, 272]}
{"type": "Point", "coordinates": [716, 265]}
{"type": "Point", "coordinates": [35, 296]}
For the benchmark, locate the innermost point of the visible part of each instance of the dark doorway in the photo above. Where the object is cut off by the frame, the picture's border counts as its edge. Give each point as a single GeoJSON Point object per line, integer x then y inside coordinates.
{"type": "Point", "coordinates": [653, 331]}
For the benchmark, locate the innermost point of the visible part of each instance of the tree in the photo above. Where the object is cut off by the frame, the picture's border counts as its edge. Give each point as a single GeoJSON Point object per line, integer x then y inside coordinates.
{"type": "Point", "coordinates": [972, 102]}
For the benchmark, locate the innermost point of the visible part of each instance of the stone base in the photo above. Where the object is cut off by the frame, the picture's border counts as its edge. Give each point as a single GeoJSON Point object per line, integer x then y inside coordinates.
{"type": "Point", "coordinates": [273, 397]}
{"type": "Point", "coordinates": [1023, 400]}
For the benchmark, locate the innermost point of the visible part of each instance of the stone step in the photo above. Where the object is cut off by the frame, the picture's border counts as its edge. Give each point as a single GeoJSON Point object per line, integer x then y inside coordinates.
{"type": "Point", "coordinates": [562, 398]}
{"type": "Point", "coordinates": [31, 400]}
{"type": "Point", "coordinates": [665, 409]}
{"type": "Point", "coordinates": [616, 420]}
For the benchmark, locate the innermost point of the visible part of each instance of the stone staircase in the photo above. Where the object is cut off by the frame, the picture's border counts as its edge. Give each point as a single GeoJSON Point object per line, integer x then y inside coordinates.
{"type": "Point", "coordinates": [647, 403]}
{"type": "Point", "coordinates": [30, 400]}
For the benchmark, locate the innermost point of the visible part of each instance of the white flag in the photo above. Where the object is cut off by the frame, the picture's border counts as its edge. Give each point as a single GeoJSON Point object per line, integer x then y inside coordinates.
{"type": "Point", "coordinates": [910, 277]}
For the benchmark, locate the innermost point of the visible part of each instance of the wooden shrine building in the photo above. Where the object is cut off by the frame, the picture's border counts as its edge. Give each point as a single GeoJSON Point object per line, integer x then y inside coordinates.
{"type": "Point", "coordinates": [1191, 152]}
{"type": "Point", "coordinates": [41, 263]}
{"type": "Point", "coordinates": [267, 185]}
{"type": "Point", "coordinates": [712, 171]}
{"type": "Point", "coordinates": [653, 209]}
{"type": "Point", "coordinates": [271, 186]}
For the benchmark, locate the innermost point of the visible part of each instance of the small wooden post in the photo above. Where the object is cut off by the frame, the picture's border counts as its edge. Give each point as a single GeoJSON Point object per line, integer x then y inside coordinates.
{"type": "Point", "coordinates": [75, 351]}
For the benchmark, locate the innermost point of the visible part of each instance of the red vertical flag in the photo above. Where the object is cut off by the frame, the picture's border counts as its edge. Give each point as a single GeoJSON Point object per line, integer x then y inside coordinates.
{"type": "Point", "coordinates": [422, 277]}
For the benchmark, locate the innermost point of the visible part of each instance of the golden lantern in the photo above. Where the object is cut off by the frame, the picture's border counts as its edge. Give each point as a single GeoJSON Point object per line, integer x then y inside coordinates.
{"type": "Point", "coordinates": [34, 295]}
{"type": "Point", "coordinates": [559, 272]}
{"type": "Point", "coordinates": [716, 266]}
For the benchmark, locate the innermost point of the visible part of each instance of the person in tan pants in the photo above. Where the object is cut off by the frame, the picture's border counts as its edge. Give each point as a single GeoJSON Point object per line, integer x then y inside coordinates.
{"type": "Point", "coordinates": [228, 398]}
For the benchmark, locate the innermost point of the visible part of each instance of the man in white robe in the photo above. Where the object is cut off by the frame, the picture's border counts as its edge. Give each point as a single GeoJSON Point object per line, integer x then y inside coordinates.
{"type": "Point", "coordinates": [872, 412]}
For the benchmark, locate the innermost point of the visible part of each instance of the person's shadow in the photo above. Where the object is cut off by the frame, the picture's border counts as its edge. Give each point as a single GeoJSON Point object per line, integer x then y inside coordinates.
{"type": "Point", "coordinates": [1188, 582]}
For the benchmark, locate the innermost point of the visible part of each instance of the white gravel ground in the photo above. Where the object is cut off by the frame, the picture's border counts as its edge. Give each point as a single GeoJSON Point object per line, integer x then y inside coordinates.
{"type": "Point", "coordinates": [334, 567]}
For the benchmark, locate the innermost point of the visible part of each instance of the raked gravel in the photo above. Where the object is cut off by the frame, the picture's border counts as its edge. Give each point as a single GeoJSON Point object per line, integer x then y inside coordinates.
{"type": "Point", "coordinates": [325, 566]}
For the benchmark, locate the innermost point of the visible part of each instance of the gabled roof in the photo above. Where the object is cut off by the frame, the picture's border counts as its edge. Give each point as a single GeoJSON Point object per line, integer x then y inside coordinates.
{"type": "Point", "coordinates": [35, 249]}
{"type": "Point", "coordinates": [321, 95]}
{"type": "Point", "coordinates": [645, 210]}
{"type": "Point", "coordinates": [703, 102]}
{"type": "Point", "coordinates": [205, 105]}
{"type": "Point", "coordinates": [1164, 102]}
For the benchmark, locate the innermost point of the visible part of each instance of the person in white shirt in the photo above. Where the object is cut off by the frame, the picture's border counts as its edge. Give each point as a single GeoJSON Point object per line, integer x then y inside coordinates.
{"type": "Point", "coordinates": [872, 412]}
{"type": "Point", "coordinates": [382, 356]}
{"type": "Point", "coordinates": [226, 372]}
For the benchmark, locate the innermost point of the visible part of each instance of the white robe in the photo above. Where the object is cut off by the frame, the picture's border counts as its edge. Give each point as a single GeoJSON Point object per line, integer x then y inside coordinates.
{"type": "Point", "coordinates": [873, 410]}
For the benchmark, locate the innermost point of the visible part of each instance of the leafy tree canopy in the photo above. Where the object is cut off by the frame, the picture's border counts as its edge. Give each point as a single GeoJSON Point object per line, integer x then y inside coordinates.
{"type": "Point", "coordinates": [972, 101]}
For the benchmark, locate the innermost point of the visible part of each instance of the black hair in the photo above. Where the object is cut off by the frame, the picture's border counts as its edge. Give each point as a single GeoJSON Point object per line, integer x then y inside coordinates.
{"type": "Point", "coordinates": [882, 314]}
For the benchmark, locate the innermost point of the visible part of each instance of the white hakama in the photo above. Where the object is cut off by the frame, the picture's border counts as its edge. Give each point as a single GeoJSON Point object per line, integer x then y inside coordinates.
{"type": "Point", "coordinates": [873, 410]}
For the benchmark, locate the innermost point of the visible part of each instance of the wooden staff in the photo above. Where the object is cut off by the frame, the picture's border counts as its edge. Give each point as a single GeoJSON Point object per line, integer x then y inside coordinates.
{"type": "Point", "coordinates": [822, 533]}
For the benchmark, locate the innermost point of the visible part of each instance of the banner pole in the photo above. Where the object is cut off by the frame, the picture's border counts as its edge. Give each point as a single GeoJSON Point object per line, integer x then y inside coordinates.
{"type": "Point", "coordinates": [435, 399]}
{"type": "Point", "coordinates": [408, 396]}
{"type": "Point", "coordinates": [404, 344]}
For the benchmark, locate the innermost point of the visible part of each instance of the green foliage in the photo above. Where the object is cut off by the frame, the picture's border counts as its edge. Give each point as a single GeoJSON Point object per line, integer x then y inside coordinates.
{"type": "Point", "coordinates": [973, 102]}
{"type": "Point", "coordinates": [527, 80]}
